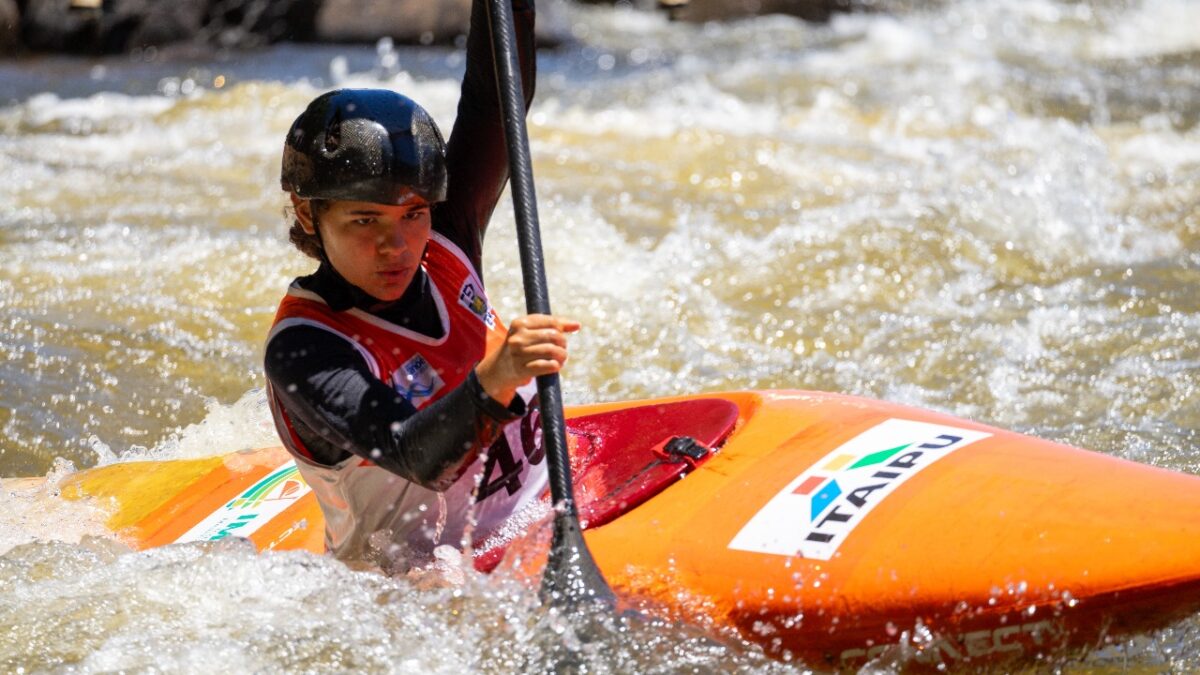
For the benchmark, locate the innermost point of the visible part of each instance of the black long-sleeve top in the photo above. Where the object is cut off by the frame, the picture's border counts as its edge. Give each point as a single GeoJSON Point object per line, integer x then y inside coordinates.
{"type": "Point", "coordinates": [336, 405]}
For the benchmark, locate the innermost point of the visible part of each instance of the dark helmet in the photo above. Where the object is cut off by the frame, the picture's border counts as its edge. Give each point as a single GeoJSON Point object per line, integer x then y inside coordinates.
{"type": "Point", "coordinates": [366, 145]}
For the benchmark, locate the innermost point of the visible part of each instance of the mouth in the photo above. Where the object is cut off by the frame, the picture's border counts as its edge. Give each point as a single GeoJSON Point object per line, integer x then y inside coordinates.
{"type": "Point", "coordinates": [394, 274]}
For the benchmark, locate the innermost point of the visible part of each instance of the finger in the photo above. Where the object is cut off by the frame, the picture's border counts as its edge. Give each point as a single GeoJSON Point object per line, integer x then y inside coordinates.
{"type": "Point", "coordinates": [522, 342]}
{"type": "Point", "coordinates": [543, 367]}
{"type": "Point", "coordinates": [562, 323]}
{"type": "Point", "coordinates": [548, 336]}
{"type": "Point", "coordinates": [528, 337]}
{"type": "Point", "coordinates": [533, 321]}
{"type": "Point", "coordinates": [543, 352]}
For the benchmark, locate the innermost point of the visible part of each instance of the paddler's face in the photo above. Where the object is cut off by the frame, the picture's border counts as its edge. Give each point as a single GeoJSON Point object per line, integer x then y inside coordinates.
{"type": "Point", "coordinates": [377, 247]}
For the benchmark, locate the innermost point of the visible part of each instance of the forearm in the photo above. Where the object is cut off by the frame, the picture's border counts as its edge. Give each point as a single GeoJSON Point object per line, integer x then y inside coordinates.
{"type": "Point", "coordinates": [329, 392]}
{"type": "Point", "coordinates": [434, 446]}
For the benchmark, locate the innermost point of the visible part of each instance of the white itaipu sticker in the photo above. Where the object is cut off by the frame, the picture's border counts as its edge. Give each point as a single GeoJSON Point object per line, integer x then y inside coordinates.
{"type": "Point", "coordinates": [253, 508]}
{"type": "Point", "coordinates": [814, 514]}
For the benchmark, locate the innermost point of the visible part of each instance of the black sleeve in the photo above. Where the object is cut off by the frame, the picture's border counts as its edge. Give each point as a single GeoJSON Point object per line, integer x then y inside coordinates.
{"type": "Point", "coordinates": [476, 154]}
{"type": "Point", "coordinates": [334, 400]}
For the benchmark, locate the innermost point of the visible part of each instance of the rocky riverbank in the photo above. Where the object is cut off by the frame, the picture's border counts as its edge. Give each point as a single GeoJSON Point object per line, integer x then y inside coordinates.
{"type": "Point", "coordinates": [91, 27]}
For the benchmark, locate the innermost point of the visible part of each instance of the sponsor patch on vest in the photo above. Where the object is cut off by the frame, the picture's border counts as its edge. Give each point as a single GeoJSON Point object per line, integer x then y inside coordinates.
{"type": "Point", "coordinates": [820, 508]}
{"type": "Point", "coordinates": [471, 297]}
{"type": "Point", "coordinates": [416, 380]}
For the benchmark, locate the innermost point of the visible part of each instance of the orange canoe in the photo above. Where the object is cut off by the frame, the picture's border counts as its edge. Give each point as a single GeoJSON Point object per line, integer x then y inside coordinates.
{"type": "Point", "coordinates": [829, 528]}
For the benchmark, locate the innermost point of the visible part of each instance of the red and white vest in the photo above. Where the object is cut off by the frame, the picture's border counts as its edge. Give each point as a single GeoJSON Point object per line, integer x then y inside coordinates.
{"type": "Point", "coordinates": [372, 514]}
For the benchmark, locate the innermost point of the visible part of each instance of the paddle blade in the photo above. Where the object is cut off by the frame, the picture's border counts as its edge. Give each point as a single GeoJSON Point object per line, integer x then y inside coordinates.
{"type": "Point", "coordinates": [571, 578]}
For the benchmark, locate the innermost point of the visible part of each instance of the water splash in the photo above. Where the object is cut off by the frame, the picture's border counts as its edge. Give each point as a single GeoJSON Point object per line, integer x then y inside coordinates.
{"type": "Point", "coordinates": [985, 208]}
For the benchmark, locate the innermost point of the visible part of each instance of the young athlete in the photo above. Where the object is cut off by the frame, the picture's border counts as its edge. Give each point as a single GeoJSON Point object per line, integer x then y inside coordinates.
{"type": "Point", "coordinates": [408, 406]}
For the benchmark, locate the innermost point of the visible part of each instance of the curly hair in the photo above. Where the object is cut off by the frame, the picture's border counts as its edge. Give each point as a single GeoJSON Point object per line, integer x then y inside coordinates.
{"type": "Point", "coordinates": [309, 244]}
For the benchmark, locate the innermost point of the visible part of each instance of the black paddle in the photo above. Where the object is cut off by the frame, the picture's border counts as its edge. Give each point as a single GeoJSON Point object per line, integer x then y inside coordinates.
{"type": "Point", "coordinates": [571, 577]}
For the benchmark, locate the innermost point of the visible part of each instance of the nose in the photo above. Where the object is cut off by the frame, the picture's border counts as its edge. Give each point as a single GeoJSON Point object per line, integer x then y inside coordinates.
{"type": "Point", "coordinates": [391, 239]}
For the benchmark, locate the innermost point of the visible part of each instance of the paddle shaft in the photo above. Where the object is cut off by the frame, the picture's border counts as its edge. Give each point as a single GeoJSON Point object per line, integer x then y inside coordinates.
{"type": "Point", "coordinates": [571, 574]}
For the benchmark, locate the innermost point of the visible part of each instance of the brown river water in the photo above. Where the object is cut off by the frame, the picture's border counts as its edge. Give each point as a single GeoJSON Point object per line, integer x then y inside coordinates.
{"type": "Point", "coordinates": [986, 208]}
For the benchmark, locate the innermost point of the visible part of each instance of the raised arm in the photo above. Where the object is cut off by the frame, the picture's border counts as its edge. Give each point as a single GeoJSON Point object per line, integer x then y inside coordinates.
{"type": "Point", "coordinates": [476, 157]}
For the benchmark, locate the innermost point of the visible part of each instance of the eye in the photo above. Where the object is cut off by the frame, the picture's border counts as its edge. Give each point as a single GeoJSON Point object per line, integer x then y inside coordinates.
{"type": "Point", "coordinates": [414, 215]}
{"type": "Point", "coordinates": [366, 220]}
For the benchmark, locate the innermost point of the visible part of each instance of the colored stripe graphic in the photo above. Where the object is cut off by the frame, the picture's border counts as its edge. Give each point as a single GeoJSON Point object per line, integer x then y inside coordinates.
{"type": "Point", "coordinates": [809, 485]}
{"type": "Point", "coordinates": [825, 497]}
{"type": "Point", "coordinates": [253, 508]}
{"type": "Point", "coordinates": [837, 463]}
{"type": "Point", "coordinates": [878, 457]}
{"type": "Point", "coordinates": [262, 488]}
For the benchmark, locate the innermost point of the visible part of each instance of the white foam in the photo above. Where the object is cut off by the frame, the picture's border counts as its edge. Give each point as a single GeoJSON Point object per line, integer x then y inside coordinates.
{"type": "Point", "coordinates": [1149, 28]}
{"type": "Point", "coordinates": [245, 424]}
{"type": "Point", "coordinates": [1157, 149]}
{"type": "Point", "coordinates": [32, 510]}
{"type": "Point", "coordinates": [47, 108]}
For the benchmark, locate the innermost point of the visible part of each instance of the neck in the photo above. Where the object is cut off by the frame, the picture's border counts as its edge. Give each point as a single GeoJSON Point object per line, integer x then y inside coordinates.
{"type": "Point", "coordinates": [341, 295]}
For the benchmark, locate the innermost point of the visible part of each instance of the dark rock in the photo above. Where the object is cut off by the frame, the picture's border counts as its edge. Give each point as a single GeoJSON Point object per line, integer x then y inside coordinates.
{"type": "Point", "coordinates": [111, 26]}
{"type": "Point", "coordinates": [10, 33]}
{"type": "Point", "coordinates": [241, 23]}
{"type": "Point", "coordinates": [294, 20]}
{"type": "Point", "coordinates": [55, 25]}
{"type": "Point", "coordinates": [154, 23]}
{"type": "Point", "coordinates": [114, 26]}
{"type": "Point", "coordinates": [719, 10]}
{"type": "Point", "coordinates": [405, 21]}
{"type": "Point", "coordinates": [421, 21]}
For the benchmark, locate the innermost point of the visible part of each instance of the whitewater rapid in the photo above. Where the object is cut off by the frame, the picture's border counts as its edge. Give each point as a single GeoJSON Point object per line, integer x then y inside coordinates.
{"type": "Point", "coordinates": [990, 209]}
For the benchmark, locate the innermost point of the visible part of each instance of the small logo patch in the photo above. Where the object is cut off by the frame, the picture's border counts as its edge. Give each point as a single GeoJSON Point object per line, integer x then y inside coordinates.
{"type": "Point", "coordinates": [473, 299]}
{"type": "Point", "coordinates": [416, 380]}
{"type": "Point", "coordinates": [818, 510]}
